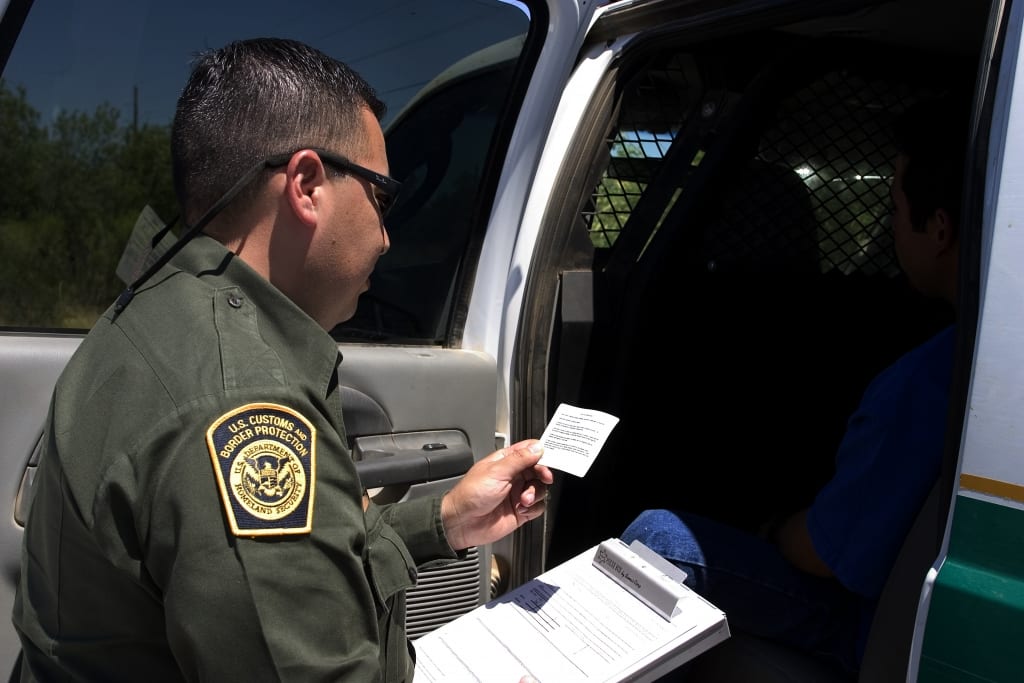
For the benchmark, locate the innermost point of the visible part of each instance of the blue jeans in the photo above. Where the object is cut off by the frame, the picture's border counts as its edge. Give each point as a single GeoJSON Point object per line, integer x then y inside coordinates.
{"type": "Point", "coordinates": [760, 592]}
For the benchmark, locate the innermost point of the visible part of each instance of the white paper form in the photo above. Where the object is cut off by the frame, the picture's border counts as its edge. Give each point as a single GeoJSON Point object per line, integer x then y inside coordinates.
{"type": "Point", "coordinates": [572, 624]}
{"type": "Point", "coordinates": [573, 438]}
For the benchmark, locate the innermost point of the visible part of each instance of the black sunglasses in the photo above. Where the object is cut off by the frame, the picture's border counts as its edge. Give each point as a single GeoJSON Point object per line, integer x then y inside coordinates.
{"type": "Point", "coordinates": [388, 187]}
{"type": "Point", "coordinates": [384, 200]}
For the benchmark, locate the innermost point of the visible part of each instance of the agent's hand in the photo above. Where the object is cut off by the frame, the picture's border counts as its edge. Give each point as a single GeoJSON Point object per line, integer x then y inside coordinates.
{"type": "Point", "coordinates": [496, 496]}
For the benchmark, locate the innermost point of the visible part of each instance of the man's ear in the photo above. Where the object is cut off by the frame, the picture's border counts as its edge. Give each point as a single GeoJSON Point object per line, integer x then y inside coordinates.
{"type": "Point", "coordinates": [943, 230]}
{"type": "Point", "coordinates": [304, 177]}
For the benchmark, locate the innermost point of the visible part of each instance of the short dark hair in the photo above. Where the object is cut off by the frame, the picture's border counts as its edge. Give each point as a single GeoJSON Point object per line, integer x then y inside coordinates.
{"type": "Point", "coordinates": [932, 135]}
{"type": "Point", "coordinates": [255, 98]}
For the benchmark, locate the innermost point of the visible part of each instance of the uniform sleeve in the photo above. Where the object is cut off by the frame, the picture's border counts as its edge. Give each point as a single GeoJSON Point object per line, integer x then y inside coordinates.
{"type": "Point", "coordinates": [418, 522]}
{"type": "Point", "coordinates": [270, 607]}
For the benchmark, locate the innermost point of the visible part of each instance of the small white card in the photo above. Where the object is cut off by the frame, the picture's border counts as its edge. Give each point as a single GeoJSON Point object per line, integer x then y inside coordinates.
{"type": "Point", "coordinates": [574, 437]}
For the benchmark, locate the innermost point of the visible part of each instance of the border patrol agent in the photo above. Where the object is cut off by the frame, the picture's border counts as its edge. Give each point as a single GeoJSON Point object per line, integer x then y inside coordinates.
{"type": "Point", "coordinates": [196, 512]}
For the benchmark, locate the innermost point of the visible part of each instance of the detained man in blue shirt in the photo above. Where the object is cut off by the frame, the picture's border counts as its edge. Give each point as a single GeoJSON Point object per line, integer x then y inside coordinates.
{"type": "Point", "coordinates": [813, 580]}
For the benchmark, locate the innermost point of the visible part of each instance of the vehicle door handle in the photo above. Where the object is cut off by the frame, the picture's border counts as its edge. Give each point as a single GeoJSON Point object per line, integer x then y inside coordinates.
{"type": "Point", "coordinates": [407, 466]}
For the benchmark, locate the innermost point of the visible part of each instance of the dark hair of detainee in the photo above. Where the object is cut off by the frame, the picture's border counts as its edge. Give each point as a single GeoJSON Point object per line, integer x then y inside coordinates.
{"type": "Point", "coordinates": [932, 135]}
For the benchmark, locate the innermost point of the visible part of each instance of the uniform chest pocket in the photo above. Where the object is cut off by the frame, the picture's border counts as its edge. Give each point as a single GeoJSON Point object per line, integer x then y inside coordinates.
{"type": "Point", "coordinates": [390, 567]}
{"type": "Point", "coordinates": [391, 571]}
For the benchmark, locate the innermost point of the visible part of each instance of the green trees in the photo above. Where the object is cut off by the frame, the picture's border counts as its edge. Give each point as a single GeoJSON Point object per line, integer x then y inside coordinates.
{"type": "Point", "coordinates": [70, 195]}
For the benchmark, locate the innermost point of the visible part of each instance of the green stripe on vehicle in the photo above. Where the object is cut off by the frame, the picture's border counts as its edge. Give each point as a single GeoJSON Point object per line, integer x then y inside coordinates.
{"type": "Point", "coordinates": [975, 628]}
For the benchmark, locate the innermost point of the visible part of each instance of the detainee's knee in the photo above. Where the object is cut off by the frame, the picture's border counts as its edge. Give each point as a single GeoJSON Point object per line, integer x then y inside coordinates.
{"type": "Point", "coordinates": [663, 531]}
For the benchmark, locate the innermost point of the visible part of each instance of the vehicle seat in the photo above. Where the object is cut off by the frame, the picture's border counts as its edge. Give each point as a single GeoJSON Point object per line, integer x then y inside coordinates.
{"type": "Point", "coordinates": [747, 659]}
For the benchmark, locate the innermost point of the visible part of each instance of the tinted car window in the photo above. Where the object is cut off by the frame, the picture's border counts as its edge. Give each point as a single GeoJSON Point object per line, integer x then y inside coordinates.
{"type": "Point", "coordinates": [86, 101]}
{"type": "Point", "coordinates": [441, 147]}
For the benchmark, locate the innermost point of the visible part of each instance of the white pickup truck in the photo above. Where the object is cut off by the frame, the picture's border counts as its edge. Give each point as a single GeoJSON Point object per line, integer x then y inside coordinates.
{"type": "Point", "coordinates": [670, 210]}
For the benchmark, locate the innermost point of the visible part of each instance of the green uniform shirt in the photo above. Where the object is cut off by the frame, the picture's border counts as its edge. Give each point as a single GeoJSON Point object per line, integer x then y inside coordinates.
{"type": "Point", "coordinates": [196, 512]}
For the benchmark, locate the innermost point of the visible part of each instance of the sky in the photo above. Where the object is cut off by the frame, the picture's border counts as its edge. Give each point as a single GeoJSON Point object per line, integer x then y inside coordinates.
{"type": "Point", "coordinates": [78, 54]}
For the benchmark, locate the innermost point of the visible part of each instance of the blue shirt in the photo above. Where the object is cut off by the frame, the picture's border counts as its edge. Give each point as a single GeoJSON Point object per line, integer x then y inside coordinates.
{"type": "Point", "coordinates": [886, 465]}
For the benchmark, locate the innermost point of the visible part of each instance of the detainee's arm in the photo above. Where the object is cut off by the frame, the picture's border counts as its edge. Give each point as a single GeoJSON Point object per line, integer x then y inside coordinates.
{"type": "Point", "coordinates": [794, 542]}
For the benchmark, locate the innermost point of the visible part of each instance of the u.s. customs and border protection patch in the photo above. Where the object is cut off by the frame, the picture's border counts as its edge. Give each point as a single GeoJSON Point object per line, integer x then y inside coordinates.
{"type": "Point", "coordinates": [264, 457]}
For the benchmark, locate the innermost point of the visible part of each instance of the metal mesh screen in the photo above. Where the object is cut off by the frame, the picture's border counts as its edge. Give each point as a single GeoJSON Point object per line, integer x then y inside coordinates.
{"type": "Point", "coordinates": [832, 137]}
{"type": "Point", "coordinates": [836, 135]}
{"type": "Point", "coordinates": [651, 118]}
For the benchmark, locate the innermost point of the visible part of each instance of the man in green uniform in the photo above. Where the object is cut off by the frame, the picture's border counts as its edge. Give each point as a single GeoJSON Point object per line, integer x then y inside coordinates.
{"type": "Point", "coordinates": [196, 512]}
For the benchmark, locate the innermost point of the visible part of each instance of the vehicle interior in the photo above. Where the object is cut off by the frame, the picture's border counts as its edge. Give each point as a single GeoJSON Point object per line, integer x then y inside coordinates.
{"type": "Point", "coordinates": [725, 282]}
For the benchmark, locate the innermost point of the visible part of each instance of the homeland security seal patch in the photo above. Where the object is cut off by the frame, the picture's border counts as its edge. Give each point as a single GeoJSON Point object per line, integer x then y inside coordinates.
{"type": "Point", "coordinates": [264, 456]}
